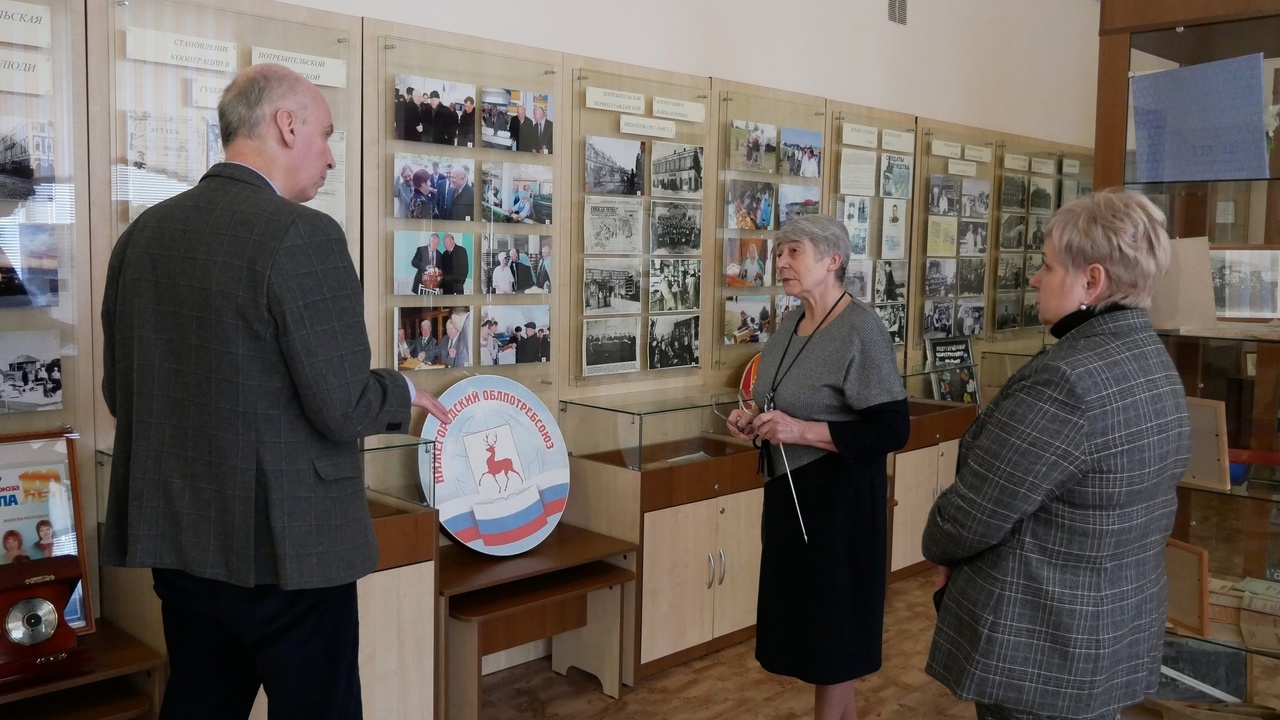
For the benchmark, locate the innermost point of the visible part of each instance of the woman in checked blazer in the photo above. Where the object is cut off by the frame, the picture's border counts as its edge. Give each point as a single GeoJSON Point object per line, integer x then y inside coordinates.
{"type": "Point", "coordinates": [1051, 541]}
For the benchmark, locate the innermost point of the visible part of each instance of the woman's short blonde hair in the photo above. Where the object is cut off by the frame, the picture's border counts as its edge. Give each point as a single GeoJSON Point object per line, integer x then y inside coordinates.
{"type": "Point", "coordinates": [1123, 232]}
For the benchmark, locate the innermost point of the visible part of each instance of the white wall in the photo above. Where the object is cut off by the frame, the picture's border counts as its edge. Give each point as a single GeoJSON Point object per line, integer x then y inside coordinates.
{"type": "Point", "coordinates": [1023, 66]}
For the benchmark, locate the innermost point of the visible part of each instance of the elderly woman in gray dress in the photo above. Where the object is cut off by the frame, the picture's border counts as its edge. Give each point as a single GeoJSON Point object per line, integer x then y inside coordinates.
{"type": "Point", "coordinates": [832, 408]}
{"type": "Point", "coordinates": [1052, 538]}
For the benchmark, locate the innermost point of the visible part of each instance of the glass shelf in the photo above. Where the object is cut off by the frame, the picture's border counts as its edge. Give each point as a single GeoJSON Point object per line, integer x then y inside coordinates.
{"type": "Point", "coordinates": [645, 403]}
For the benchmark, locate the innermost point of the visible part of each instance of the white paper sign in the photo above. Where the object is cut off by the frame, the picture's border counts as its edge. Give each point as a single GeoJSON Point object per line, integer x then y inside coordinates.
{"type": "Point", "coordinates": [332, 198]}
{"type": "Point", "coordinates": [24, 72]}
{"type": "Point", "coordinates": [898, 141]}
{"type": "Point", "coordinates": [171, 145]}
{"type": "Point", "coordinates": [205, 94]}
{"type": "Point", "coordinates": [857, 172]}
{"type": "Point", "coordinates": [861, 135]}
{"type": "Point", "coordinates": [635, 125]}
{"type": "Point", "coordinates": [977, 153]}
{"type": "Point", "coordinates": [604, 99]}
{"type": "Point", "coordinates": [962, 167]}
{"type": "Point", "coordinates": [1016, 162]}
{"type": "Point", "coordinates": [331, 72]}
{"type": "Point", "coordinates": [174, 49]}
{"type": "Point", "coordinates": [1042, 165]}
{"type": "Point", "coordinates": [25, 24]}
{"type": "Point", "coordinates": [679, 109]}
{"type": "Point", "coordinates": [943, 148]}
{"type": "Point", "coordinates": [1226, 212]}
{"type": "Point", "coordinates": [1070, 167]}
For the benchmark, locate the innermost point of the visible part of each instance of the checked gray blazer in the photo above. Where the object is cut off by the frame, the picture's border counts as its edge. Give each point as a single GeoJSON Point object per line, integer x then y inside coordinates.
{"type": "Point", "coordinates": [1056, 527]}
{"type": "Point", "coordinates": [236, 363]}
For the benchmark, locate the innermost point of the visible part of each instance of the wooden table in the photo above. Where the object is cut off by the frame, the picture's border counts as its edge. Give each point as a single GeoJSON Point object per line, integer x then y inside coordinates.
{"type": "Point", "coordinates": [562, 589]}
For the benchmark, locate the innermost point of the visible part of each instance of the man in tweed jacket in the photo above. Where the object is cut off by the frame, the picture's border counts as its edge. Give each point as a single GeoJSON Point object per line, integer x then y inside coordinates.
{"type": "Point", "coordinates": [1055, 528]}
{"type": "Point", "coordinates": [236, 363]}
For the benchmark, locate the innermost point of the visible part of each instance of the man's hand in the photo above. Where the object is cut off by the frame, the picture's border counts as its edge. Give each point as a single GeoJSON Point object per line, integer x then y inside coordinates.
{"type": "Point", "coordinates": [428, 402]}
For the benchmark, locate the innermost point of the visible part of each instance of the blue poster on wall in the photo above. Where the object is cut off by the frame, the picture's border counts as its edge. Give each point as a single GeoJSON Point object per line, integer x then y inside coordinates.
{"type": "Point", "coordinates": [1202, 122]}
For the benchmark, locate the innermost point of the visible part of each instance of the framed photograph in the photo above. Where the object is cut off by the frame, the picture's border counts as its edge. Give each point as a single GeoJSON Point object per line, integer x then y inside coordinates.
{"type": "Point", "coordinates": [944, 195]}
{"type": "Point", "coordinates": [1035, 241]}
{"type": "Point", "coordinates": [1008, 311]}
{"type": "Point", "coordinates": [797, 200]}
{"type": "Point", "coordinates": [753, 146]}
{"type": "Point", "coordinates": [949, 350]}
{"type": "Point", "coordinates": [971, 276]}
{"type": "Point", "coordinates": [891, 281]}
{"type": "Point", "coordinates": [516, 120]}
{"type": "Point", "coordinates": [749, 204]}
{"type": "Point", "coordinates": [1013, 232]}
{"type": "Point", "coordinates": [432, 338]}
{"type": "Point", "coordinates": [1035, 261]}
{"type": "Point", "coordinates": [674, 285]}
{"type": "Point", "coordinates": [939, 318]}
{"type": "Point", "coordinates": [436, 263]}
{"type": "Point", "coordinates": [748, 262]}
{"type": "Point", "coordinates": [975, 198]}
{"type": "Point", "coordinates": [973, 237]}
{"type": "Point", "coordinates": [611, 287]}
{"type": "Point", "coordinates": [609, 346]}
{"type": "Point", "coordinates": [970, 314]}
{"type": "Point", "coordinates": [515, 334]}
{"type": "Point", "coordinates": [858, 279]}
{"type": "Point", "coordinates": [1042, 195]}
{"type": "Point", "coordinates": [958, 385]}
{"type": "Point", "coordinates": [612, 225]}
{"type": "Point", "coordinates": [801, 152]}
{"type": "Point", "coordinates": [895, 176]}
{"type": "Point", "coordinates": [892, 231]}
{"type": "Point", "coordinates": [939, 277]}
{"type": "Point", "coordinates": [746, 319]}
{"type": "Point", "coordinates": [433, 187]}
{"type": "Point", "coordinates": [515, 264]}
{"type": "Point", "coordinates": [434, 111]}
{"type": "Point", "coordinates": [673, 341]}
{"type": "Point", "coordinates": [677, 170]}
{"type": "Point", "coordinates": [675, 228]}
{"type": "Point", "coordinates": [521, 193]}
{"type": "Point", "coordinates": [40, 513]}
{"type": "Point", "coordinates": [1009, 271]}
{"type": "Point", "coordinates": [31, 365]}
{"type": "Point", "coordinates": [615, 166]}
{"type": "Point", "coordinates": [894, 316]}
{"type": "Point", "coordinates": [1031, 309]}
{"type": "Point", "coordinates": [1013, 193]}
{"type": "Point", "coordinates": [1244, 282]}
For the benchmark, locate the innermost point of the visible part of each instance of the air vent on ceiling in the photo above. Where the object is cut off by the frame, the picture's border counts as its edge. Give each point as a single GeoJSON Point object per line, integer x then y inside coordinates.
{"type": "Point", "coordinates": [898, 11]}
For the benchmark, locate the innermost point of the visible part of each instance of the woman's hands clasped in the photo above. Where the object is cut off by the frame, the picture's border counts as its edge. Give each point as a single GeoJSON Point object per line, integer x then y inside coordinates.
{"type": "Point", "coordinates": [740, 422]}
{"type": "Point", "coordinates": [774, 426]}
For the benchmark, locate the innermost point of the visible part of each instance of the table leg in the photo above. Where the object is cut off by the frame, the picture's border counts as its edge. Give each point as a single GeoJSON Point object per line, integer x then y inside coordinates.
{"type": "Point", "coordinates": [596, 647]}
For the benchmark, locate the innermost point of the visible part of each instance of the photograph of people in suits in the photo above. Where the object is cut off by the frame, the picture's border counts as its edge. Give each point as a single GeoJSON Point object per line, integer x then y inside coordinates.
{"type": "Point", "coordinates": [516, 263]}
{"type": "Point", "coordinates": [250, 596]}
{"type": "Point", "coordinates": [455, 266]}
{"type": "Point", "coordinates": [431, 263]}
{"type": "Point", "coordinates": [427, 334]}
{"type": "Point", "coordinates": [518, 120]}
{"type": "Point", "coordinates": [433, 187]}
{"type": "Point", "coordinates": [433, 111]}
{"type": "Point", "coordinates": [511, 334]}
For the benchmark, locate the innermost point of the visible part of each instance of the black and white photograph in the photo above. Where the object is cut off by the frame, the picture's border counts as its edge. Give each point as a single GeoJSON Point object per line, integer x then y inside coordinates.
{"type": "Point", "coordinates": [1008, 311]}
{"type": "Point", "coordinates": [750, 204]}
{"type": "Point", "coordinates": [891, 281]}
{"type": "Point", "coordinates": [895, 176]}
{"type": "Point", "coordinates": [975, 198]}
{"type": "Point", "coordinates": [1042, 195]}
{"type": "Point", "coordinates": [434, 111]}
{"type": "Point", "coordinates": [31, 362]}
{"type": "Point", "coordinates": [1031, 309]}
{"type": "Point", "coordinates": [1035, 241]}
{"type": "Point", "coordinates": [1035, 261]}
{"type": "Point", "coordinates": [27, 156]}
{"type": "Point", "coordinates": [797, 200]}
{"type": "Point", "coordinates": [673, 341]}
{"type": "Point", "coordinates": [674, 285]}
{"type": "Point", "coordinates": [677, 170]}
{"type": "Point", "coordinates": [433, 263]}
{"type": "Point", "coordinates": [753, 146]}
{"type": "Point", "coordinates": [944, 195]}
{"type": "Point", "coordinates": [434, 187]}
{"type": "Point", "coordinates": [971, 276]}
{"type": "Point", "coordinates": [610, 345]}
{"type": "Point", "coordinates": [29, 267]}
{"type": "Point", "coordinates": [894, 316]}
{"type": "Point", "coordinates": [746, 318]}
{"type": "Point", "coordinates": [748, 262]}
{"type": "Point", "coordinates": [613, 225]}
{"type": "Point", "coordinates": [1009, 272]}
{"type": "Point", "coordinates": [1068, 190]}
{"type": "Point", "coordinates": [512, 264]}
{"type": "Point", "coordinates": [939, 277]}
{"type": "Point", "coordinates": [1244, 282]}
{"type": "Point", "coordinates": [675, 228]}
{"type": "Point", "coordinates": [858, 279]}
{"type": "Point", "coordinates": [611, 287]}
{"type": "Point", "coordinates": [1013, 232]}
{"type": "Point", "coordinates": [784, 304]}
{"type": "Point", "coordinates": [893, 231]}
{"type": "Point", "coordinates": [521, 194]}
{"type": "Point", "coordinates": [973, 237]}
{"type": "Point", "coordinates": [1013, 193]}
{"type": "Point", "coordinates": [801, 152]}
{"type": "Point", "coordinates": [939, 317]}
{"type": "Point", "coordinates": [614, 166]}
{"type": "Point", "coordinates": [857, 220]}
{"type": "Point", "coordinates": [432, 338]}
{"type": "Point", "coordinates": [970, 313]}
{"type": "Point", "coordinates": [517, 120]}
{"type": "Point", "coordinates": [515, 334]}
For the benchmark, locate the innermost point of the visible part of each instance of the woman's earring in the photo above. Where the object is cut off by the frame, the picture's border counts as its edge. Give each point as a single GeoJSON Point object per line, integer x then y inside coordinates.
{"type": "Point", "coordinates": [1083, 306]}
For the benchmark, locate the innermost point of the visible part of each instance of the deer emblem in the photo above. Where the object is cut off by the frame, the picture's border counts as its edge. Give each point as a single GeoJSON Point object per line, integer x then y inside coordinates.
{"type": "Point", "coordinates": [498, 465]}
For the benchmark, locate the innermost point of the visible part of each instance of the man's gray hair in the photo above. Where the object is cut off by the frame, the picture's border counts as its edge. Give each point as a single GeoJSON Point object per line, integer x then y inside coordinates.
{"type": "Point", "coordinates": [827, 235]}
{"type": "Point", "coordinates": [253, 97]}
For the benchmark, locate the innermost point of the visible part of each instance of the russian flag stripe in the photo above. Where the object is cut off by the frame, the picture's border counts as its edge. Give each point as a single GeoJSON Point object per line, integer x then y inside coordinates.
{"type": "Point", "coordinates": [516, 519]}
{"type": "Point", "coordinates": [515, 534]}
{"type": "Point", "coordinates": [558, 491]}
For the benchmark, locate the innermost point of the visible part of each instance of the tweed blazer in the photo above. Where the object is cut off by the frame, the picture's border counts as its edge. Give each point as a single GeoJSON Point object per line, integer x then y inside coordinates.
{"type": "Point", "coordinates": [1055, 528]}
{"type": "Point", "coordinates": [236, 363]}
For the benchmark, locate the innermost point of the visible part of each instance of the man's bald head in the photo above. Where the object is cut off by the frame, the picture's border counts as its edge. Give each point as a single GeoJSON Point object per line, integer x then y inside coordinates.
{"type": "Point", "coordinates": [254, 97]}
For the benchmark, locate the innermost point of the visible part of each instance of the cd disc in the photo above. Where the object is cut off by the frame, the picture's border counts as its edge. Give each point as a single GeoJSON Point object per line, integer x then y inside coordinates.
{"type": "Point", "coordinates": [31, 621]}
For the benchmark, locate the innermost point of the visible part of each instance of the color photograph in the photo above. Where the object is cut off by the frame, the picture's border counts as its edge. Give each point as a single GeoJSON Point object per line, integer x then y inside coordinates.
{"type": "Point", "coordinates": [516, 120]}
{"type": "Point", "coordinates": [746, 319]}
{"type": "Point", "coordinates": [677, 170]}
{"type": "Point", "coordinates": [750, 204]}
{"type": "Point", "coordinates": [515, 334]}
{"type": "Point", "coordinates": [29, 267]}
{"type": "Point", "coordinates": [516, 264]}
{"type": "Point", "coordinates": [524, 195]}
{"type": "Point", "coordinates": [801, 152]}
{"type": "Point", "coordinates": [432, 338]}
{"type": "Point", "coordinates": [614, 166]}
{"type": "Point", "coordinates": [433, 263]}
{"type": "Point", "coordinates": [433, 187]}
{"type": "Point", "coordinates": [748, 262]}
{"type": "Point", "coordinates": [797, 200]}
{"type": "Point", "coordinates": [753, 146]}
{"type": "Point", "coordinates": [434, 111]}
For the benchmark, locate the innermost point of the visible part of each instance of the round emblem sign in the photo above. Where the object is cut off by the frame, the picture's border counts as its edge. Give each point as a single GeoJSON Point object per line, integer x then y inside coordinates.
{"type": "Point", "coordinates": [500, 471]}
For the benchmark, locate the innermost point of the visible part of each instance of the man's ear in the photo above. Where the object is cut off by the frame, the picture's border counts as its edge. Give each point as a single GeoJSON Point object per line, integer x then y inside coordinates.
{"type": "Point", "coordinates": [286, 124]}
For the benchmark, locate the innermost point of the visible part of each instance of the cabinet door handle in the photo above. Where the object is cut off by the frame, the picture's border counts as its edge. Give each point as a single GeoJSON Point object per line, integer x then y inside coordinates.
{"type": "Point", "coordinates": [711, 567]}
{"type": "Point", "coordinates": [723, 566]}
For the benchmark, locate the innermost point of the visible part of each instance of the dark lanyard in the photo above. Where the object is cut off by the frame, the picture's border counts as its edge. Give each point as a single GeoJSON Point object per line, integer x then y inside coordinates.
{"type": "Point", "coordinates": [777, 380]}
